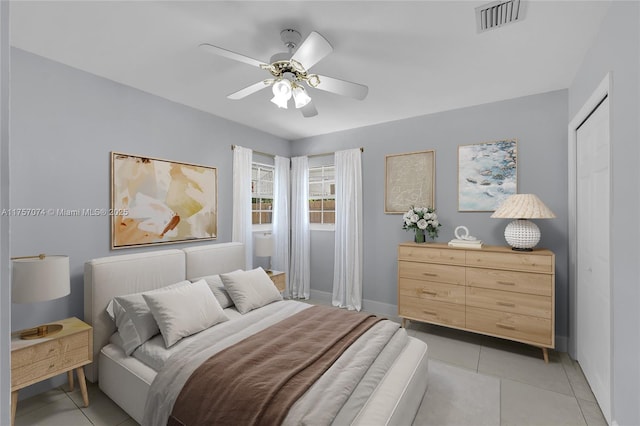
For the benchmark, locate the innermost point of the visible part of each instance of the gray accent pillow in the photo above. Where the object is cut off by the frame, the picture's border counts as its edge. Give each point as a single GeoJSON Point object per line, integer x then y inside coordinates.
{"type": "Point", "coordinates": [218, 290]}
{"type": "Point", "coordinates": [250, 289]}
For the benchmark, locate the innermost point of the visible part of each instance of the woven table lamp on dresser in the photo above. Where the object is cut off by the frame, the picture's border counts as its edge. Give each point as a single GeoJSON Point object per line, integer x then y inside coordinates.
{"type": "Point", "coordinates": [522, 234]}
{"type": "Point", "coordinates": [38, 279]}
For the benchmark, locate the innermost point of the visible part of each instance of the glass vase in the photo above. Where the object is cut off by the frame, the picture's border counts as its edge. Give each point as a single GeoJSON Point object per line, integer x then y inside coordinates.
{"type": "Point", "coordinates": [419, 237]}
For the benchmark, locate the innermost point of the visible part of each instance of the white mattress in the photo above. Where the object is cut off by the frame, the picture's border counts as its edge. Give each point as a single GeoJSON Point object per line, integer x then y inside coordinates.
{"type": "Point", "coordinates": [127, 380]}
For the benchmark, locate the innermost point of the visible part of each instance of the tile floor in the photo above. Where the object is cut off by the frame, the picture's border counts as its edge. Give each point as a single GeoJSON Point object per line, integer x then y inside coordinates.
{"type": "Point", "coordinates": [529, 391]}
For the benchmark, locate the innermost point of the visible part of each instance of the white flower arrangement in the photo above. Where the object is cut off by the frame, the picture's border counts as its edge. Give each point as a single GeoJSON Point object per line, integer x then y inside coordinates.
{"type": "Point", "coordinates": [423, 218]}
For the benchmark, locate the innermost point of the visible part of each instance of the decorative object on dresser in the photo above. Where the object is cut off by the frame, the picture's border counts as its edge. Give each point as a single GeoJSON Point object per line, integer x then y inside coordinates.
{"type": "Point", "coordinates": [279, 279]}
{"type": "Point", "coordinates": [464, 240]}
{"type": "Point", "coordinates": [157, 201]}
{"type": "Point", "coordinates": [493, 291]}
{"type": "Point", "coordinates": [35, 360]}
{"type": "Point", "coordinates": [409, 181]}
{"type": "Point", "coordinates": [522, 234]}
{"type": "Point", "coordinates": [38, 279]}
{"type": "Point", "coordinates": [422, 220]}
{"type": "Point", "coordinates": [264, 247]}
{"type": "Point", "coordinates": [487, 175]}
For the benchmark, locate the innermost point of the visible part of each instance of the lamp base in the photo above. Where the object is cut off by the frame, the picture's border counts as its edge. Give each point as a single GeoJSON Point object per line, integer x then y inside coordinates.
{"type": "Point", "coordinates": [40, 331]}
{"type": "Point", "coordinates": [522, 234]}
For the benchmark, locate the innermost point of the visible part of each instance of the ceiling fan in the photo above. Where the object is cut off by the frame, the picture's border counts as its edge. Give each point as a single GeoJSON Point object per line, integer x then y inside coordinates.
{"type": "Point", "coordinates": [290, 70]}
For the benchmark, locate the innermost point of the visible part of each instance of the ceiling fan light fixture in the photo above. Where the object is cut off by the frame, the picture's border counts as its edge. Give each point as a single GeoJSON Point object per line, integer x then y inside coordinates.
{"type": "Point", "coordinates": [282, 89]}
{"type": "Point", "coordinates": [280, 101]}
{"type": "Point", "coordinates": [300, 96]}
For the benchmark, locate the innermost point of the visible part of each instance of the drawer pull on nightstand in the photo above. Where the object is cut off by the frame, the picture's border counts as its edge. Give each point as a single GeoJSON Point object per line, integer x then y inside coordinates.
{"type": "Point", "coordinates": [506, 283]}
{"type": "Point", "coordinates": [430, 293]}
{"type": "Point", "coordinates": [510, 305]}
{"type": "Point", "coordinates": [430, 313]}
{"type": "Point", "coordinates": [429, 274]}
{"type": "Point", "coordinates": [508, 327]}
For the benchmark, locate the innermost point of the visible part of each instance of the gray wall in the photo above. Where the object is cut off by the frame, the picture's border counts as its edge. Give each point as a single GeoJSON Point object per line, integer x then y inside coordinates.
{"type": "Point", "coordinates": [5, 288]}
{"type": "Point", "coordinates": [617, 49]}
{"type": "Point", "coordinates": [64, 124]}
{"type": "Point", "coordinates": [539, 123]}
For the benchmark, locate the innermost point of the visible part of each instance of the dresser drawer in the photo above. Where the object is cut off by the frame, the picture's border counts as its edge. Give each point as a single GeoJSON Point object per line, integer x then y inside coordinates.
{"type": "Point", "coordinates": [523, 282]}
{"type": "Point", "coordinates": [47, 359]}
{"type": "Point", "coordinates": [430, 311]}
{"type": "Point", "coordinates": [507, 301]}
{"type": "Point", "coordinates": [502, 324]}
{"type": "Point", "coordinates": [431, 290]}
{"type": "Point", "coordinates": [432, 272]}
{"type": "Point", "coordinates": [430, 254]}
{"type": "Point", "coordinates": [518, 261]}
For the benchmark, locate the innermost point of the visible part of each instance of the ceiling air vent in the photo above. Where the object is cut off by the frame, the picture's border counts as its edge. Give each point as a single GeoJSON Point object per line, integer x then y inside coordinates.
{"type": "Point", "coordinates": [497, 14]}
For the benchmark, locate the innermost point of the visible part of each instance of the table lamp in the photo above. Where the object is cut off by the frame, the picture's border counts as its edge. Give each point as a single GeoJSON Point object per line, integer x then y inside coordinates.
{"type": "Point", "coordinates": [37, 279]}
{"type": "Point", "coordinates": [264, 247]}
{"type": "Point", "coordinates": [522, 234]}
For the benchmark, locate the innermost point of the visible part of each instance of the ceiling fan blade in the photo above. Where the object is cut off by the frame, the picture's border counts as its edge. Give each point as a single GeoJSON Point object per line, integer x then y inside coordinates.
{"type": "Point", "coordinates": [231, 55]}
{"type": "Point", "coordinates": [312, 50]}
{"type": "Point", "coordinates": [342, 87]}
{"type": "Point", "coordinates": [309, 110]}
{"type": "Point", "coordinates": [250, 89]}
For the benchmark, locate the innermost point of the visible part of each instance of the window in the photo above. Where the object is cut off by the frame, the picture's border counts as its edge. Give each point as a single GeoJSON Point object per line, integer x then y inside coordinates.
{"type": "Point", "coordinates": [261, 193]}
{"type": "Point", "coordinates": [322, 195]}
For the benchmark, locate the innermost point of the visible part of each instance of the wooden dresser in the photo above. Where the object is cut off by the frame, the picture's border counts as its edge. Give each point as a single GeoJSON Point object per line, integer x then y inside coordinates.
{"type": "Point", "coordinates": [494, 290]}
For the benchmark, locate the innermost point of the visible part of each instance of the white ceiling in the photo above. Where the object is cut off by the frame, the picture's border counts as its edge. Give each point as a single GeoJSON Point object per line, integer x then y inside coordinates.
{"type": "Point", "coordinates": [417, 57]}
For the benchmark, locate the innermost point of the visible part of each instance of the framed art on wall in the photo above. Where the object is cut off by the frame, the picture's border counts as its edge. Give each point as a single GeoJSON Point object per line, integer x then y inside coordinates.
{"type": "Point", "coordinates": [409, 181]}
{"type": "Point", "coordinates": [487, 174]}
{"type": "Point", "coordinates": [160, 201]}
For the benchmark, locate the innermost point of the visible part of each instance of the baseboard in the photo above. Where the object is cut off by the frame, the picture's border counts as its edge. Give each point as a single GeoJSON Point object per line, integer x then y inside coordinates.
{"type": "Point", "coordinates": [391, 311]}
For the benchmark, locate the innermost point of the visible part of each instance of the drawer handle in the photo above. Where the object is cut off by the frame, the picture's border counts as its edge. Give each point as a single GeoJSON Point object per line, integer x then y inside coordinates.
{"type": "Point", "coordinates": [51, 366]}
{"type": "Point", "coordinates": [430, 313]}
{"type": "Point", "coordinates": [428, 274]}
{"type": "Point", "coordinates": [431, 293]}
{"type": "Point", "coordinates": [506, 283]}
{"type": "Point", "coordinates": [511, 305]}
{"type": "Point", "coordinates": [508, 327]}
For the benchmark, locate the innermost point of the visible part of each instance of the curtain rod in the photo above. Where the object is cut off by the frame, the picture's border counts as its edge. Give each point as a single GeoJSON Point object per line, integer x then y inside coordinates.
{"type": "Point", "coordinates": [308, 156]}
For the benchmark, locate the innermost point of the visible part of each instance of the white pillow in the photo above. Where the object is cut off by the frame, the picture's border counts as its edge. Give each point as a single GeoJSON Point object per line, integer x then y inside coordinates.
{"type": "Point", "coordinates": [133, 318]}
{"type": "Point", "coordinates": [250, 289]}
{"type": "Point", "coordinates": [218, 290]}
{"type": "Point", "coordinates": [183, 311]}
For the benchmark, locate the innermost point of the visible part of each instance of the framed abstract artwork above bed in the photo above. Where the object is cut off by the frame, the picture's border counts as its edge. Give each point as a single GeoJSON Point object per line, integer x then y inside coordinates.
{"type": "Point", "coordinates": [161, 201]}
{"type": "Point", "coordinates": [487, 174]}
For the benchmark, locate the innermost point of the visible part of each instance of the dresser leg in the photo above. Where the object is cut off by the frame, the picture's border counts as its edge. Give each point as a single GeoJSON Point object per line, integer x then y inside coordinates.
{"type": "Point", "coordinates": [83, 386]}
{"type": "Point", "coordinates": [545, 355]}
{"type": "Point", "coordinates": [70, 378]}
{"type": "Point", "coordinates": [14, 405]}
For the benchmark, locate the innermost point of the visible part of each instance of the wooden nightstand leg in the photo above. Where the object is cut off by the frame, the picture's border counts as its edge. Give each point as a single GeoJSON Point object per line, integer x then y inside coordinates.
{"type": "Point", "coordinates": [545, 355]}
{"type": "Point", "coordinates": [14, 405]}
{"type": "Point", "coordinates": [83, 386]}
{"type": "Point", "coordinates": [404, 323]}
{"type": "Point", "coordinates": [70, 377]}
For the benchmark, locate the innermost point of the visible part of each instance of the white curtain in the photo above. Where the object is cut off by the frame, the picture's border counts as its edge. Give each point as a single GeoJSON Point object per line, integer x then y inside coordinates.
{"type": "Point", "coordinates": [242, 228]}
{"type": "Point", "coordinates": [280, 259]}
{"type": "Point", "coordinates": [299, 275]}
{"type": "Point", "coordinates": [347, 272]}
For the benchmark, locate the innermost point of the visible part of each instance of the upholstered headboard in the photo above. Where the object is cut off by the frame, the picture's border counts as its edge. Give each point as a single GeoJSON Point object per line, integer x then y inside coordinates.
{"type": "Point", "coordinates": [107, 277]}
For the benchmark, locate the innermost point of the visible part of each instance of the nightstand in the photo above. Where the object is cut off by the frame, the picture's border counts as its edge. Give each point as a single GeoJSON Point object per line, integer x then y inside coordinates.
{"type": "Point", "coordinates": [279, 279]}
{"type": "Point", "coordinates": [39, 359]}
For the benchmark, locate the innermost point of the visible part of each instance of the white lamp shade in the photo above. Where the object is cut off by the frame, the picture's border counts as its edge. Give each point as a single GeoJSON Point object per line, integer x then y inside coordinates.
{"type": "Point", "coordinates": [264, 246]}
{"type": "Point", "coordinates": [300, 97]}
{"type": "Point", "coordinates": [523, 206]}
{"type": "Point", "coordinates": [37, 279]}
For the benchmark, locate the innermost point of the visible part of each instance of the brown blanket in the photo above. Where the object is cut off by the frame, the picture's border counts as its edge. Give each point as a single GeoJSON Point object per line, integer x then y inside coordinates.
{"type": "Point", "coordinates": [257, 380]}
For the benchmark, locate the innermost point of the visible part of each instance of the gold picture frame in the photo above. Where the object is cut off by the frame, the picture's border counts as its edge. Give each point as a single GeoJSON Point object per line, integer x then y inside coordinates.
{"type": "Point", "coordinates": [155, 201]}
{"type": "Point", "coordinates": [409, 181]}
{"type": "Point", "coordinates": [487, 174]}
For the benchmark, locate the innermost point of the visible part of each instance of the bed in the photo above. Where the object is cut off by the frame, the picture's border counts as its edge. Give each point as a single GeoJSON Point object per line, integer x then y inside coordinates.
{"type": "Point", "coordinates": [388, 391]}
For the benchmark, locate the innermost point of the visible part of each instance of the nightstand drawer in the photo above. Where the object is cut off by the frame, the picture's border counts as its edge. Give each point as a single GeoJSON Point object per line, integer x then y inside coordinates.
{"type": "Point", "coordinates": [522, 282]}
{"type": "Point", "coordinates": [427, 254]}
{"type": "Point", "coordinates": [49, 358]}
{"type": "Point", "coordinates": [430, 311]}
{"type": "Point", "coordinates": [278, 279]}
{"type": "Point", "coordinates": [430, 290]}
{"type": "Point", "coordinates": [432, 272]}
{"type": "Point", "coordinates": [519, 327]}
{"type": "Point", "coordinates": [506, 301]}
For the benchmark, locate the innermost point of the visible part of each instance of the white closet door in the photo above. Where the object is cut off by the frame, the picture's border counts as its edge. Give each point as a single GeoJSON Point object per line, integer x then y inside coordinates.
{"type": "Point", "coordinates": [593, 275]}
